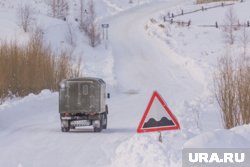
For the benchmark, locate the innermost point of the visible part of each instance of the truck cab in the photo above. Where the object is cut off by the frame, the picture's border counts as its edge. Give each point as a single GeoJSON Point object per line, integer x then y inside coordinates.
{"type": "Point", "coordinates": [82, 102]}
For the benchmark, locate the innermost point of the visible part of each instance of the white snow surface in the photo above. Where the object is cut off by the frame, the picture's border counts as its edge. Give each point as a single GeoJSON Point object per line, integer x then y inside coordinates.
{"type": "Point", "coordinates": [138, 58]}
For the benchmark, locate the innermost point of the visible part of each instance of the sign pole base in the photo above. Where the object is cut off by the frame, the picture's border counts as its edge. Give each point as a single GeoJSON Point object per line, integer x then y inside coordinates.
{"type": "Point", "coordinates": [160, 137]}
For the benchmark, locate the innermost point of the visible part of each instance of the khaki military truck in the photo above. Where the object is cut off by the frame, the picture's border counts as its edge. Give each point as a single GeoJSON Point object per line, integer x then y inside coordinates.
{"type": "Point", "coordinates": [82, 102]}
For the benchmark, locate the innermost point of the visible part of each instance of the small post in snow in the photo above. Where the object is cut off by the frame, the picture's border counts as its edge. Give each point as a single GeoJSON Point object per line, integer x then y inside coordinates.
{"type": "Point", "coordinates": [216, 24]}
{"type": "Point", "coordinates": [105, 33]}
{"type": "Point", "coordinates": [160, 137]}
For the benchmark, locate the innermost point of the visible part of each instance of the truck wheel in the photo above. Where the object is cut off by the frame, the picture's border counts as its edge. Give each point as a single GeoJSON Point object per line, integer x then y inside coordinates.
{"type": "Point", "coordinates": [65, 129]}
{"type": "Point", "coordinates": [65, 126]}
{"type": "Point", "coordinates": [106, 109]}
{"type": "Point", "coordinates": [96, 129]}
{"type": "Point", "coordinates": [105, 121]}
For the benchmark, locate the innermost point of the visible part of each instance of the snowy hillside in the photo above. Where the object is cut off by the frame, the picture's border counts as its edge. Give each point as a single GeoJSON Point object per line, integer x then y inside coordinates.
{"type": "Point", "coordinates": [139, 57]}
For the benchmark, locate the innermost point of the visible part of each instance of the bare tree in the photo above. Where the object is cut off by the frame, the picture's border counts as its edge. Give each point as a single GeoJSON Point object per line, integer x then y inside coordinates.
{"type": "Point", "coordinates": [70, 35]}
{"type": "Point", "coordinates": [84, 21]}
{"type": "Point", "coordinates": [59, 8]}
{"type": "Point", "coordinates": [94, 28]}
{"type": "Point", "coordinates": [82, 11]}
{"type": "Point", "coordinates": [229, 27]}
{"type": "Point", "coordinates": [168, 29]}
{"type": "Point", "coordinates": [91, 26]}
{"type": "Point", "coordinates": [25, 16]}
{"type": "Point", "coordinates": [94, 35]}
{"type": "Point", "coordinates": [244, 39]}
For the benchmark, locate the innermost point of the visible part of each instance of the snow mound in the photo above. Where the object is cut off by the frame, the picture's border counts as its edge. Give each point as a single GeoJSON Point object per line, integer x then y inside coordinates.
{"type": "Point", "coordinates": [243, 131]}
{"type": "Point", "coordinates": [234, 138]}
{"type": "Point", "coordinates": [144, 150]}
{"type": "Point", "coordinates": [19, 112]}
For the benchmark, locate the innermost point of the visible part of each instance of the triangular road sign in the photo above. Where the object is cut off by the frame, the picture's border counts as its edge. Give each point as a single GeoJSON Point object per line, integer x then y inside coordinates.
{"type": "Point", "coordinates": [157, 116]}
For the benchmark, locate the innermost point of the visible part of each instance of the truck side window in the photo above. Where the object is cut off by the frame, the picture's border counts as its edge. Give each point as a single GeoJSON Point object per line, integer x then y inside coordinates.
{"type": "Point", "coordinates": [85, 90]}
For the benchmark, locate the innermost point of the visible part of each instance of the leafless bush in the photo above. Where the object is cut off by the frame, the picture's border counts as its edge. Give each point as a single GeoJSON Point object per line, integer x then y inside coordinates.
{"type": "Point", "coordinates": [32, 68]}
{"type": "Point", "coordinates": [70, 35]}
{"type": "Point", "coordinates": [244, 40]}
{"type": "Point", "coordinates": [88, 23]}
{"type": "Point", "coordinates": [94, 28]}
{"type": "Point", "coordinates": [94, 34]}
{"type": "Point", "coordinates": [168, 29]}
{"type": "Point", "coordinates": [232, 82]}
{"type": "Point", "coordinates": [243, 89]}
{"type": "Point", "coordinates": [25, 16]}
{"type": "Point", "coordinates": [229, 27]}
{"type": "Point", "coordinates": [83, 24]}
{"type": "Point", "coordinates": [232, 89]}
{"type": "Point", "coordinates": [226, 91]}
{"type": "Point", "coordinates": [59, 8]}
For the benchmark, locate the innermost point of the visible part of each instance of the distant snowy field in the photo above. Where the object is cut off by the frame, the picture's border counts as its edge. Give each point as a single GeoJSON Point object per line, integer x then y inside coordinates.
{"type": "Point", "coordinates": [137, 61]}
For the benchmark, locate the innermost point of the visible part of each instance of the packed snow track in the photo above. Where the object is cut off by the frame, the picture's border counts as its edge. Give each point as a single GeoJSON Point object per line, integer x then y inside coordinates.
{"type": "Point", "coordinates": [30, 132]}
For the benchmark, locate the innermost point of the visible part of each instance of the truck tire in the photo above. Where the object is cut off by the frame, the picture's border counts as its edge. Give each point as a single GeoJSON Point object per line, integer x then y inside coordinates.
{"type": "Point", "coordinates": [65, 129]}
{"type": "Point", "coordinates": [106, 109]}
{"type": "Point", "coordinates": [99, 129]}
{"type": "Point", "coordinates": [96, 129]}
{"type": "Point", "coordinates": [105, 120]}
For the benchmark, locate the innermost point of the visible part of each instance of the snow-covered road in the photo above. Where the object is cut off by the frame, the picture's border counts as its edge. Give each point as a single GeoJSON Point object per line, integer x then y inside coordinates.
{"type": "Point", "coordinates": [30, 128]}
{"type": "Point", "coordinates": [144, 63]}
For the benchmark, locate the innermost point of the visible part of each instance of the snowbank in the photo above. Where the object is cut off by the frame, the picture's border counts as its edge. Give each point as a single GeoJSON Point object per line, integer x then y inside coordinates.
{"type": "Point", "coordinates": [145, 151]}
{"type": "Point", "coordinates": [221, 139]}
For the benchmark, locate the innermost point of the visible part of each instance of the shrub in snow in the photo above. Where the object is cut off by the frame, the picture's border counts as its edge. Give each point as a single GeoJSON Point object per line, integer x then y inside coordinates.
{"type": "Point", "coordinates": [244, 40]}
{"type": "Point", "coordinates": [89, 24]}
{"type": "Point", "coordinates": [25, 16]}
{"type": "Point", "coordinates": [226, 91]}
{"type": "Point", "coordinates": [59, 8]}
{"type": "Point", "coordinates": [233, 91]}
{"type": "Point", "coordinates": [70, 35]}
{"type": "Point", "coordinates": [230, 25]}
{"type": "Point", "coordinates": [32, 68]}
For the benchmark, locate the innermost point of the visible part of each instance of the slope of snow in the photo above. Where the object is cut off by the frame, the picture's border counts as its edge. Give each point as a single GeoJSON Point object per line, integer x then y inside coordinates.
{"type": "Point", "coordinates": [220, 139]}
{"type": "Point", "coordinates": [140, 58]}
{"type": "Point", "coordinates": [200, 47]}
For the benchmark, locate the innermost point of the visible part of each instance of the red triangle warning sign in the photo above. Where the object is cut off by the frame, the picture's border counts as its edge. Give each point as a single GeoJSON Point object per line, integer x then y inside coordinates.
{"type": "Point", "coordinates": [157, 116]}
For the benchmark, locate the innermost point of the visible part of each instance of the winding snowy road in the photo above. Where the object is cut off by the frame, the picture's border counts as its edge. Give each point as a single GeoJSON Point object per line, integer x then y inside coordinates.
{"type": "Point", "coordinates": [144, 63]}
{"type": "Point", "coordinates": [30, 128]}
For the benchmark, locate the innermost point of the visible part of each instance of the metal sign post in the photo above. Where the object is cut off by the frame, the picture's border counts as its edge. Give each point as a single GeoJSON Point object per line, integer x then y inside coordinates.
{"type": "Point", "coordinates": [105, 34]}
{"type": "Point", "coordinates": [160, 137]}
